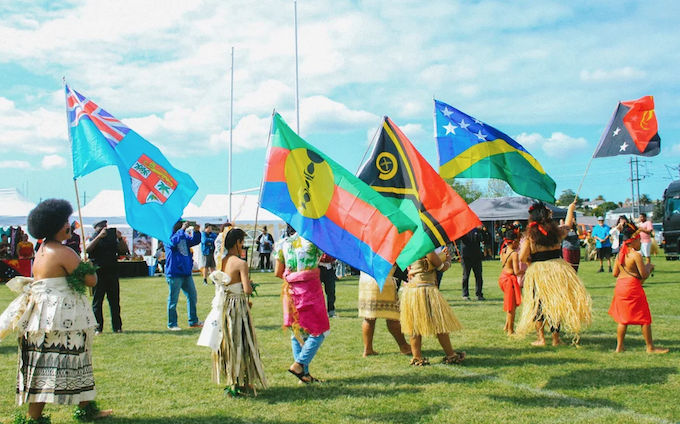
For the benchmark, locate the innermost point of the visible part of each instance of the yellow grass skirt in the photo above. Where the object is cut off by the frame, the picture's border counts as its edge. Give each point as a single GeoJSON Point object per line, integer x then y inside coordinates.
{"type": "Point", "coordinates": [425, 312]}
{"type": "Point", "coordinates": [555, 294]}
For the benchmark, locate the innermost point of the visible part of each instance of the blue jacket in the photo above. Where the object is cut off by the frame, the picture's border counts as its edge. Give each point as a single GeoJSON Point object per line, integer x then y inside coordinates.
{"type": "Point", "coordinates": [208, 243]}
{"type": "Point", "coordinates": [178, 260]}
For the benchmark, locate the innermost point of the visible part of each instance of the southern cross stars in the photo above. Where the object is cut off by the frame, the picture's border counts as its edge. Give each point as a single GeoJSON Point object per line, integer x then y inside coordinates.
{"type": "Point", "coordinates": [616, 132]}
{"type": "Point", "coordinates": [450, 128]}
{"type": "Point", "coordinates": [623, 147]}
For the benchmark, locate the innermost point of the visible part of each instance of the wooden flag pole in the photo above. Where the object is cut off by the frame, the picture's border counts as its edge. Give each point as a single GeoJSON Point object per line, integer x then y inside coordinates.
{"type": "Point", "coordinates": [80, 222]}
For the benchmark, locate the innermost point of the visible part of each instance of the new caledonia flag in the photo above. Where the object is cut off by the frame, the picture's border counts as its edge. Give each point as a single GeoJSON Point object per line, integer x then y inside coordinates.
{"type": "Point", "coordinates": [469, 148]}
{"type": "Point", "coordinates": [633, 130]}
{"type": "Point", "coordinates": [155, 192]}
{"type": "Point", "coordinates": [330, 207]}
{"type": "Point", "coordinates": [398, 171]}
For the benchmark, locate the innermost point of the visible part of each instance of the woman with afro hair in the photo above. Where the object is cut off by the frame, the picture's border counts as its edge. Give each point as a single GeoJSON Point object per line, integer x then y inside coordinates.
{"type": "Point", "coordinates": [54, 320]}
{"type": "Point", "coordinates": [553, 293]}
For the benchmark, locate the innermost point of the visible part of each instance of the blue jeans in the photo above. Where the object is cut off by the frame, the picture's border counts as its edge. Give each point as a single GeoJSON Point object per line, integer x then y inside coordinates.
{"type": "Point", "coordinates": [186, 284]}
{"type": "Point", "coordinates": [303, 355]}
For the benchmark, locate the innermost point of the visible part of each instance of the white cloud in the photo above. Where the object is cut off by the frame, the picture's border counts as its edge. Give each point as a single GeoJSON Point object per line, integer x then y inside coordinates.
{"type": "Point", "coordinates": [557, 145]}
{"type": "Point", "coordinates": [626, 73]}
{"type": "Point", "coordinates": [34, 131]}
{"type": "Point", "coordinates": [53, 161]}
{"type": "Point", "coordinates": [250, 133]}
{"type": "Point", "coordinates": [321, 114]}
{"type": "Point", "coordinates": [675, 150]}
{"type": "Point", "coordinates": [15, 164]}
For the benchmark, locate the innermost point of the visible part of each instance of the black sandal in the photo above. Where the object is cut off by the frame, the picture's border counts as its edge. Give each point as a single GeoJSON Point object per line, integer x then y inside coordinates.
{"type": "Point", "coordinates": [299, 375]}
{"type": "Point", "coordinates": [312, 379]}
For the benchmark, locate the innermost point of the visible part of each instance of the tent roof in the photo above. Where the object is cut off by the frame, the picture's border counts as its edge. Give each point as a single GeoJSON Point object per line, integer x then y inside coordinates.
{"type": "Point", "coordinates": [508, 208]}
{"type": "Point", "coordinates": [14, 207]}
{"type": "Point", "coordinates": [244, 208]}
{"type": "Point", "coordinates": [110, 205]}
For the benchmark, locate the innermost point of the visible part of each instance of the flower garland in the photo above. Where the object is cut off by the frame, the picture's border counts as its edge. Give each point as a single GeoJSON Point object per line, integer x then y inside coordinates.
{"type": "Point", "coordinates": [76, 280]}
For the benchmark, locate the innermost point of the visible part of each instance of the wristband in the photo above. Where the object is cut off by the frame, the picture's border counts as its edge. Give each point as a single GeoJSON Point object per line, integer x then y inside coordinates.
{"type": "Point", "coordinates": [440, 267]}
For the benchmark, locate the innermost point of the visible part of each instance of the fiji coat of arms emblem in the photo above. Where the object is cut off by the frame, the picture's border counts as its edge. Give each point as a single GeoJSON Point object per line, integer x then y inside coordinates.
{"type": "Point", "coordinates": [151, 183]}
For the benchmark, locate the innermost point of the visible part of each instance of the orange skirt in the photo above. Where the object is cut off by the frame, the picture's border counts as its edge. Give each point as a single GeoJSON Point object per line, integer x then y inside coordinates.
{"type": "Point", "coordinates": [512, 292]}
{"type": "Point", "coordinates": [629, 306]}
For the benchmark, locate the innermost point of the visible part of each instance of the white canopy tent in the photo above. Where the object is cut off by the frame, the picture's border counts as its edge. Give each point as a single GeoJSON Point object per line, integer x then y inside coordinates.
{"type": "Point", "coordinates": [14, 207]}
{"type": "Point", "coordinates": [244, 208]}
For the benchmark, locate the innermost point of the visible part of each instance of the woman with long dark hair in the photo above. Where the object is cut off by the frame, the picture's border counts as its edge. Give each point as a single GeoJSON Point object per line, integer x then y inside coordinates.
{"type": "Point", "coordinates": [553, 293]}
{"type": "Point", "coordinates": [229, 331]}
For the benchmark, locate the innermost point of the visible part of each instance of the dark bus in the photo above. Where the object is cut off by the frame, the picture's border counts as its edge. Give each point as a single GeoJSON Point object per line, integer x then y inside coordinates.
{"type": "Point", "coordinates": [671, 218]}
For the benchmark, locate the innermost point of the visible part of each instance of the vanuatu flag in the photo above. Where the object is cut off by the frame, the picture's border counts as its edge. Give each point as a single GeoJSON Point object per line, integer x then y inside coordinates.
{"type": "Point", "coordinates": [468, 148]}
{"type": "Point", "coordinates": [330, 207]}
{"type": "Point", "coordinates": [398, 171]}
{"type": "Point", "coordinates": [155, 192]}
{"type": "Point", "coordinates": [633, 130]}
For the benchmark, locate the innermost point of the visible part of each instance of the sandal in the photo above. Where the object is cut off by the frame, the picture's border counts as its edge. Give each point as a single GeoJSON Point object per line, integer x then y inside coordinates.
{"type": "Point", "coordinates": [420, 362]}
{"type": "Point", "coordinates": [311, 379]}
{"type": "Point", "coordinates": [235, 392]}
{"type": "Point", "coordinates": [456, 358]}
{"type": "Point", "coordinates": [299, 375]}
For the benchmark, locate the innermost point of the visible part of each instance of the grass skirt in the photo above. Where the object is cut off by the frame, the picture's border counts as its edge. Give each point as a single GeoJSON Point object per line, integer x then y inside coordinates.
{"type": "Point", "coordinates": [374, 303]}
{"type": "Point", "coordinates": [425, 312]}
{"type": "Point", "coordinates": [237, 362]}
{"type": "Point", "coordinates": [554, 293]}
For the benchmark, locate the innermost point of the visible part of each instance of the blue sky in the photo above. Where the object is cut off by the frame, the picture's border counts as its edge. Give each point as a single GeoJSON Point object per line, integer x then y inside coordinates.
{"type": "Point", "coordinates": [545, 72]}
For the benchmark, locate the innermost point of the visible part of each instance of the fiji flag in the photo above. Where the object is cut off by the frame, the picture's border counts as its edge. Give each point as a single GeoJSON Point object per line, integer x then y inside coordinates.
{"type": "Point", "coordinates": [155, 192]}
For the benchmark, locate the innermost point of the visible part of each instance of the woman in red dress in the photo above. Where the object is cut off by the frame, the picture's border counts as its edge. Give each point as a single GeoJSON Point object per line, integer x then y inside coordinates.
{"type": "Point", "coordinates": [629, 306]}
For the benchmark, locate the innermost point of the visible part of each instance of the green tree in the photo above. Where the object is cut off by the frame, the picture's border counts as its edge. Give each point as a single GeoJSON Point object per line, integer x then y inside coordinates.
{"type": "Point", "coordinates": [658, 211]}
{"type": "Point", "coordinates": [498, 188]}
{"type": "Point", "coordinates": [604, 208]}
{"type": "Point", "coordinates": [645, 200]}
{"type": "Point", "coordinates": [599, 197]}
{"type": "Point", "coordinates": [567, 197]}
{"type": "Point", "coordinates": [468, 190]}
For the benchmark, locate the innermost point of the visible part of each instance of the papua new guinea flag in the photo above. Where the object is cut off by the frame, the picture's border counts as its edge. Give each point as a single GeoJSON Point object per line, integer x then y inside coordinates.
{"type": "Point", "coordinates": [633, 130]}
{"type": "Point", "coordinates": [398, 171]}
{"type": "Point", "coordinates": [469, 148]}
{"type": "Point", "coordinates": [155, 192]}
{"type": "Point", "coordinates": [330, 207]}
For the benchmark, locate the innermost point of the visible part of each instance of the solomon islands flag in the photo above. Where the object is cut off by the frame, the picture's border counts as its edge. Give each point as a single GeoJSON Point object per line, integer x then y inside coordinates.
{"type": "Point", "coordinates": [469, 148]}
{"type": "Point", "coordinates": [633, 130]}
{"type": "Point", "coordinates": [396, 170]}
{"type": "Point", "coordinates": [330, 207]}
{"type": "Point", "coordinates": [155, 192]}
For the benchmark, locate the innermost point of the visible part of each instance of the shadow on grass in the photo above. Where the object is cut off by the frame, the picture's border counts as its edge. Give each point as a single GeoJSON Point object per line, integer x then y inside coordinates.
{"type": "Point", "coordinates": [498, 357]}
{"type": "Point", "coordinates": [610, 377]}
{"type": "Point", "coordinates": [399, 416]}
{"type": "Point", "coordinates": [199, 420]}
{"type": "Point", "coordinates": [5, 349]}
{"type": "Point", "coordinates": [636, 342]}
{"type": "Point", "coordinates": [542, 402]}
{"type": "Point", "coordinates": [371, 386]}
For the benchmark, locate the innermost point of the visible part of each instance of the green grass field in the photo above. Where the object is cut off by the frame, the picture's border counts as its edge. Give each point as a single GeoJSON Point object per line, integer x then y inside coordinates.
{"type": "Point", "coordinates": [150, 375]}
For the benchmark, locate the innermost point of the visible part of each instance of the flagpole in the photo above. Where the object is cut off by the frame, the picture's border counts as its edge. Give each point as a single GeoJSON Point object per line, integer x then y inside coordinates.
{"type": "Point", "coordinates": [259, 196]}
{"type": "Point", "coordinates": [297, 85]}
{"type": "Point", "coordinates": [434, 123]}
{"type": "Point", "coordinates": [585, 173]}
{"type": "Point", "coordinates": [231, 130]}
{"type": "Point", "coordinates": [83, 253]}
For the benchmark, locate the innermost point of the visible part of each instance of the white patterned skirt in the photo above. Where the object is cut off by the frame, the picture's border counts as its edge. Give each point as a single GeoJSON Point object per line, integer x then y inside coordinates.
{"type": "Point", "coordinates": [56, 327]}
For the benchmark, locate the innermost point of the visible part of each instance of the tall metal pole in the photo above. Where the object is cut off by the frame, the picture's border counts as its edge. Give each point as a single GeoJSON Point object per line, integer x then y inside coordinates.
{"type": "Point", "coordinates": [231, 131]}
{"type": "Point", "coordinates": [632, 190]}
{"type": "Point", "coordinates": [297, 87]}
{"type": "Point", "coordinates": [637, 176]}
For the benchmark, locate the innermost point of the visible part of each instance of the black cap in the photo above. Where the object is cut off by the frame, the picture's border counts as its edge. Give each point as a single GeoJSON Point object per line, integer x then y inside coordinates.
{"type": "Point", "coordinates": [101, 223]}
